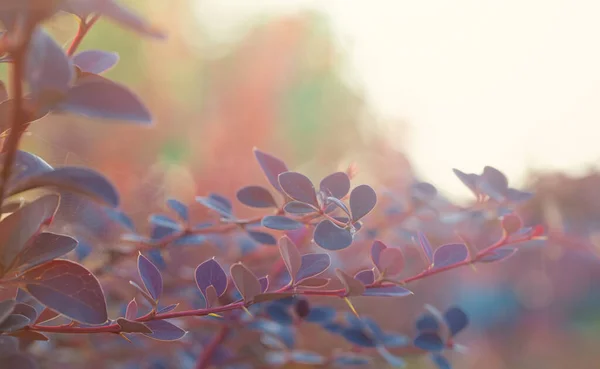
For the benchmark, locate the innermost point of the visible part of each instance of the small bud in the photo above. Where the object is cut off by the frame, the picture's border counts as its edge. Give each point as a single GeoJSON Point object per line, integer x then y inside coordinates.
{"type": "Point", "coordinates": [302, 308]}
{"type": "Point", "coordinates": [511, 223]}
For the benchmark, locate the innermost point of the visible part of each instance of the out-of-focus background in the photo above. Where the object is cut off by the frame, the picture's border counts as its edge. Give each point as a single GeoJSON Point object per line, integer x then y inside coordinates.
{"type": "Point", "coordinates": [402, 89]}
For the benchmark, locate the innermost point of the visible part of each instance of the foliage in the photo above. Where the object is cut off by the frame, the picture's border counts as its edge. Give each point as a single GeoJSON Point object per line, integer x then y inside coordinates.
{"type": "Point", "coordinates": [55, 294]}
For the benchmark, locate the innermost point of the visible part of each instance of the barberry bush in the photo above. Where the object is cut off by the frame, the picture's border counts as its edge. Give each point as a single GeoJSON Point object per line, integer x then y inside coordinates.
{"type": "Point", "coordinates": [269, 284]}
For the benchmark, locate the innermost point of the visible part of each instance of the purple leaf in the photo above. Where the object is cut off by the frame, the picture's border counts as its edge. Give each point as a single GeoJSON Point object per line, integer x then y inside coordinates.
{"type": "Point", "coordinates": [376, 250]}
{"type": "Point", "coordinates": [362, 200]}
{"type": "Point", "coordinates": [68, 288]}
{"type": "Point", "coordinates": [132, 310]}
{"type": "Point", "coordinates": [298, 187]}
{"type": "Point", "coordinates": [297, 207]}
{"type": "Point", "coordinates": [518, 196]}
{"type": "Point", "coordinates": [493, 183]}
{"type": "Point", "coordinates": [216, 203]}
{"type": "Point", "coordinates": [128, 326]}
{"type": "Point", "coordinates": [279, 313]}
{"type": "Point", "coordinates": [18, 228]}
{"type": "Point", "coordinates": [441, 362]}
{"type": "Point", "coordinates": [49, 71]}
{"type": "Point", "coordinates": [469, 180]}
{"type": "Point", "coordinates": [14, 322]}
{"type": "Point", "coordinates": [271, 167]}
{"type": "Point", "coordinates": [6, 308]}
{"type": "Point", "coordinates": [367, 277]}
{"type": "Point", "coordinates": [456, 319]}
{"type": "Point", "coordinates": [427, 323]}
{"type": "Point", "coordinates": [162, 330]}
{"type": "Point", "coordinates": [281, 223]}
{"type": "Point", "coordinates": [429, 342]}
{"type": "Point", "coordinates": [394, 291]}
{"type": "Point", "coordinates": [498, 255]}
{"type": "Point", "coordinates": [256, 197]}
{"type": "Point", "coordinates": [26, 165]}
{"type": "Point", "coordinates": [424, 191]}
{"type": "Point", "coordinates": [331, 237]}
{"type": "Point", "coordinates": [95, 61]}
{"type": "Point", "coordinates": [80, 180]}
{"type": "Point", "coordinates": [190, 240]}
{"type": "Point", "coordinates": [321, 315]}
{"type": "Point", "coordinates": [26, 310]}
{"type": "Point", "coordinates": [336, 185]}
{"type": "Point", "coordinates": [312, 265]}
{"type": "Point", "coordinates": [150, 276]}
{"type": "Point", "coordinates": [180, 208]}
{"type": "Point", "coordinates": [164, 221]}
{"type": "Point", "coordinates": [339, 204]}
{"type": "Point", "coordinates": [210, 273]}
{"type": "Point", "coordinates": [426, 246]}
{"type": "Point", "coordinates": [450, 254]}
{"type": "Point", "coordinates": [262, 237]}
{"type": "Point", "coordinates": [245, 281]}
{"type": "Point", "coordinates": [99, 97]}
{"type": "Point", "coordinates": [291, 256]}
{"type": "Point", "coordinates": [45, 246]}
{"type": "Point", "coordinates": [166, 309]}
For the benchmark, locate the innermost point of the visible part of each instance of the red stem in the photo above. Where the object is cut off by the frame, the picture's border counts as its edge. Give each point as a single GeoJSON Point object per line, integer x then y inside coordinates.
{"type": "Point", "coordinates": [205, 358]}
{"type": "Point", "coordinates": [84, 27]}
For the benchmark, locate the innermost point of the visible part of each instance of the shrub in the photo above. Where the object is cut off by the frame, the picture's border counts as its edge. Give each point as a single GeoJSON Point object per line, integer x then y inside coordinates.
{"type": "Point", "coordinates": [57, 299]}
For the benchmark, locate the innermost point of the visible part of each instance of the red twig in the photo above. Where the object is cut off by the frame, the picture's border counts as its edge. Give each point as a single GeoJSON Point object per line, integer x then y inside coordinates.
{"type": "Point", "coordinates": [84, 27]}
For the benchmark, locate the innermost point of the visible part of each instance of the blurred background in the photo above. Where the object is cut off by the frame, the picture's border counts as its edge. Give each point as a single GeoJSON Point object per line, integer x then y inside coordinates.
{"type": "Point", "coordinates": [403, 89]}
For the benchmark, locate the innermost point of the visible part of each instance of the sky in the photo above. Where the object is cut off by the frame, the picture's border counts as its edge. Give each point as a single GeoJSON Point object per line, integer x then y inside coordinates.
{"type": "Point", "coordinates": [514, 84]}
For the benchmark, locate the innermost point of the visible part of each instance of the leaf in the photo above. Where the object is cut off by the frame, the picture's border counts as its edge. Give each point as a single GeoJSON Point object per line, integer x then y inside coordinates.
{"type": "Point", "coordinates": [395, 361]}
{"type": "Point", "coordinates": [391, 261]}
{"type": "Point", "coordinates": [256, 197]}
{"type": "Point", "coordinates": [427, 323]}
{"type": "Point", "coordinates": [424, 192]}
{"type": "Point", "coordinates": [337, 203]}
{"type": "Point", "coordinates": [393, 291]}
{"type": "Point", "coordinates": [367, 277]}
{"type": "Point", "coordinates": [132, 310]}
{"type": "Point", "coordinates": [48, 71]}
{"type": "Point", "coordinates": [46, 315]}
{"type": "Point", "coordinates": [264, 283]}
{"type": "Point", "coordinates": [518, 196]}
{"type": "Point", "coordinates": [357, 337]}
{"type": "Point", "coordinates": [150, 276]}
{"type": "Point", "coordinates": [164, 221]}
{"type": "Point", "coordinates": [500, 254]}
{"type": "Point", "coordinates": [297, 207]}
{"type": "Point", "coordinates": [331, 237]}
{"type": "Point", "coordinates": [336, 185]}
{"type": "Point", "coordinates": [216, 203]}
{"type": "Point", "coordinates": [179, 208]}
{"type": "Point", "coordinates": [156, 256]}
{"type": "Point", "coordinates": [210, 273]}
{"type": "Point", "coordinates": [376, 250]}
{"type": "Point", "coordinates": [6, 308]}
{"type": "Point", "coordinates": [291, 256]}
{"type": "Point", "coordinates": [271, 167]}
{"type": "Point", "coordinates": [245, 281]}
{"type": "Point", "coordinates": [26, 310]}
{"type": "Point", "coordinates": [128, 326]}
{"type": "Point", "coordinates": [99, 97]}
{"type": "Point", "coordinates": [166, 309]}
{"type": "Point", "coordinates": [352, 286]}
{"type": "Point", "coordinates": [14, 322]}
{"type": "Point", "coordinates": [143, 292]}
{"type": "Point", "coordinates": [493, 183]}
{"type": "Point", "coordinates": [68, 288]}
{"type": "Point", "coordinates": [312, 265]}
{"type": "Point", "coordinates": [298, 187]}
{"type": "Point", "coordinates": [190, 240]}
{"type": "Point", "coordinates": [262, 237]}
{"type": "Point", "coordinates": [307, 357]}
{"type": "Point", "coordinates": [45, 246]}
{"type": "Point", "coordinates": [456, 319]}
{"type": "Point", "coordinates": [95, 61]}
{"type": "Point", "coordinates": [19, 227]}
{"type": "Point", "coordinates": [73, 179]}
{"type": "Point", "coordinates": [450, 254]}
{"type": "Point", "coordinates": [426, 246]}
{"type": "Point", "coordinates": [314, 283]}
{"type": "Point", "coordinates": [362, 200]}
{"type": "Point", "coordinates": [429, 342]}
{"type": "Point", "coordinates": [469, 180]}
{"type": "Point", "coordinates": [162, 330]}
{"type": "Point", "coordinates": [281, 223]}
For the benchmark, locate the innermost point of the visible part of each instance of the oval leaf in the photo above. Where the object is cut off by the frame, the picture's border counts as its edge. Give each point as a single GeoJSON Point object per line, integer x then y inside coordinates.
{"type": "Point", "coordinates": [393, 291]}
{"type": "Point", "coordinates": [336, 185]}
{"type": "Point", "coordinates": [312, 265]}
{"type": "Point", "coordinates": [256, 197]}
{"type": "Point", "coordinates": [271, 167]}
{"type": "Point", "coordinates": [391, 261]}
{"type": "Point", "coordinates": [297, 207]}
{"type": "Point", "coordinates": [352, 286]}
{"type": "Point", "coordinates": [426, 246]}
{"type": "Point", "coordinates": [500, 254]}
{"type": "Point", "coordinates": [45, 246]}
{"type": "Point", "coordinates": [95, 61]}
{"type": "Point", "coordinates": [150, 276]}
{"type": "Point", "coordinates": [367, 277]}
{"type": "Point", "coordinates": [74, 179]}
{"type": "Point", "coordinates": [210, 273]}
{"type": "Point", "coordinates": [281, 223]}
{"type": "Point", "coordinates": [376, 250]}
{"type": "Point", "coordinates": [450, 254]}
{"type": "Point", "coordinates": [331, 237]}
{"type": "Point", "coordinates": [68, 288]}
{"type": "Point", "coordinates": [298, 187]}
{"type": "Point", "coordinates": [291, 256]}
{"type": "Point", "coordinates": [164, 331]}
{"type": "Point", "coordinates": [362, 200]}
